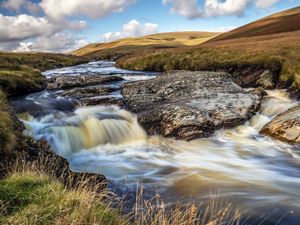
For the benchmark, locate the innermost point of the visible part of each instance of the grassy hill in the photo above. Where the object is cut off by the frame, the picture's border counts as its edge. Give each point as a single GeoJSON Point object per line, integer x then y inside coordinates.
{"type": "Point", "coordinates": [127, 46]}
{"type": "Point", "coordinates": [271, 43]}
{"type": "Point", "coordinates": [286, 21]}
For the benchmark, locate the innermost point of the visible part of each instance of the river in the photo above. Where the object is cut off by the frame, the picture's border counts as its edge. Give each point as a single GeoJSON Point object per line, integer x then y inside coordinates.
{"type": "Point", "coordinates": [239, 165]}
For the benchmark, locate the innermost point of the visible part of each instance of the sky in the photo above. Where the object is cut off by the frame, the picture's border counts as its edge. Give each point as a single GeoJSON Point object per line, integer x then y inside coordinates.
{"type": "Point", "coordinates": [66, 25]}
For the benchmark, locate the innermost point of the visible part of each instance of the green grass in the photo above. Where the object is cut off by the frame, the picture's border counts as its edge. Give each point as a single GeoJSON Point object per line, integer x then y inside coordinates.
{"type": "Point", "coordinates": [31, 198]}
{"type": "Point", "coordinates": [278, 53]}
{"type": "Point", "coordinates": [28, 196]}
{"type": "Point", "coordinates": [20, 73]}
{"type": "Point", "coordinates": [8, 133]}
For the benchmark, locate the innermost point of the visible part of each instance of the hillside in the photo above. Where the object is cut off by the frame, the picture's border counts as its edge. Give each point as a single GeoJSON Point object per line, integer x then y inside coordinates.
{"type": "Point", "coordinates": [272, 44]}
{"type": "Point", "coordinates": [147, 43]}
{"type": "Point", "coordinates": [286, 21]}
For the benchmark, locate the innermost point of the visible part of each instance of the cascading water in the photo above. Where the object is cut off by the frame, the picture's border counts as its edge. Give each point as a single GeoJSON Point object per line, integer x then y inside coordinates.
{"type": "Point", "coordinates": [86, 128]}
{"type": "Point", "coordinates": [253, 171]}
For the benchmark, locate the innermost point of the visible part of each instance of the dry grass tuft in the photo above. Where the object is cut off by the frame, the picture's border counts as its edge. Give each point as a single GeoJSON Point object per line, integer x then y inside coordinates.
{"type": "Point", "coordinates": [31, 195]}
{"type": "Point", "coordinates": [155, 212]}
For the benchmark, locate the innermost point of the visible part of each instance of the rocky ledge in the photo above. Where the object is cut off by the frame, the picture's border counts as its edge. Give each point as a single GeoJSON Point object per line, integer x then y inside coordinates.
{"type": "Point", "coordinates": [90, 90]}
{"type": "Point", "coordinates": [68, 82]}
{"type": "Point", "coordinates": [189, 105]}
{"type": "Point", "coordinates": [285, 126]}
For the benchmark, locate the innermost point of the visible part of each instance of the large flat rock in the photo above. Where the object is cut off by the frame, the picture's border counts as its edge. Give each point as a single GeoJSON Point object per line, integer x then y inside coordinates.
{"type": "Point", "coordinates": [188, 105]}
{"type": "Point", "coordinates": [285, 126]}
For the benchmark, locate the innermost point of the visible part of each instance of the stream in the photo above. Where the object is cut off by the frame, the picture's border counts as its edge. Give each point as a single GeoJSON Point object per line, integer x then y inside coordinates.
{"type": "Point", "coordinates": [255, 173]}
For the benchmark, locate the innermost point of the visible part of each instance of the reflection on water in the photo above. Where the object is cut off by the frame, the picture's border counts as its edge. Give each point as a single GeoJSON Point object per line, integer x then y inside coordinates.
{"type": "Point", "coordinates": [253, 171]}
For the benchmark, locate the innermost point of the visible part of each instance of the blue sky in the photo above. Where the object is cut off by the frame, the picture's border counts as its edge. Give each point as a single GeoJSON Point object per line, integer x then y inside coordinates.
{"type": "Point", "coordinates": [63, 25]}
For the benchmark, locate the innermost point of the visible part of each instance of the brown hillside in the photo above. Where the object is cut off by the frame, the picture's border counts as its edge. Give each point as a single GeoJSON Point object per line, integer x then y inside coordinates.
{"type": "Point", "coordinates": [286, 21]}
{"type": "Point", "coordinates": [147, 43]}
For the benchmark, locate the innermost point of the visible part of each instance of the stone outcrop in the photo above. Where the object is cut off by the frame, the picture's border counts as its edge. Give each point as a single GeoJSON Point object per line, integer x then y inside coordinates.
{"type": "Point", "coordinates": [285, 126]}
{"type": "Point", "coordinates": [189, 105]}
{"type": "Point", "coordinates": [68, 82]}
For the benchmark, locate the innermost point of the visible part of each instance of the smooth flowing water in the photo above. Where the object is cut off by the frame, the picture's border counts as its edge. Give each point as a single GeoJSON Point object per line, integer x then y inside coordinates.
{"type": "Point", "coordinates": [254, 172]}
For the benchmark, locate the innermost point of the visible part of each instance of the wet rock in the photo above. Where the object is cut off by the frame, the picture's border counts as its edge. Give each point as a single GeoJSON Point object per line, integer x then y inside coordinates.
{"type": "Point", "coordinates": [266, 80]}
{"type": "Point", "coordinates": [258, 91]}
{"type": "Point", "coordinates": [90, 91]}
{"type": "Point", "coordinates": [102, 100]}
{"type": "Point", "coordinates": [188, 105]}
{"type": "Point", "coordinates": [68, 82]}
{"type": "Point", "coordinates": [285, 127]}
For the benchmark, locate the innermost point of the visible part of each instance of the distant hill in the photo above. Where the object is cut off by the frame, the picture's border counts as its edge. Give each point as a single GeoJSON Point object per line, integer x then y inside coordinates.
{"type": "Point", "coordinates": [269, 44]}
{"type": "Point", "coordinates": [285, 21]}
{"type": "Point", "coordinates": [127, 46]}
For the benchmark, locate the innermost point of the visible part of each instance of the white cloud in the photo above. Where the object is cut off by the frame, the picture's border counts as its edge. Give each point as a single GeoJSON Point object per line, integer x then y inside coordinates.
{"type": "Point", "coordinates": [24, 33]}
{"type": "Point", "coordinates": [131, 29]}
{"type": "Point", "coordinates": [21, 27]}
{"type": "Point", "coordinates": [265, 3]}
{"type": "Point", "coordinates": [228, 7]}
{"type": "Point", "coordinates": [214, 8]}
{"type": "Point", "coordinates": [58, 9]}
{"type": "Point", "coordinates": [17, 5]}
{"type": "Point", "coordinates": [14, 5]}
{"type": "Point", "coordinates": [223, 29]}
{"type": "Point", "coordinates": [186, 8]}
{"type": "Point", "coordinates": [24, 47]}
{"type": "Point", "coordinates": [58, 42]}
{"type": "Point", "coordinates": [32, 7]}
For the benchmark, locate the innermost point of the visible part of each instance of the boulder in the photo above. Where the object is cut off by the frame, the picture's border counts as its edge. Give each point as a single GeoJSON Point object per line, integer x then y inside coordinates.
{"type": "Point", "coordinates": [285, 126]}
{"type": "Point", "coordinates": [68, 82]}
{"type": "Point", "coordinates": [189, 105]}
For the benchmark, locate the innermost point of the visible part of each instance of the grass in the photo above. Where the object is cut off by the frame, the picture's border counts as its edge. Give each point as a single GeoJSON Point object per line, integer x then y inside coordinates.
{"type": "Point", "coordinates": [128, 46]}
{"type": "Point", "coordinates": [8, 131]}
{"type": "Point", "coordinates": [21, 72]}
{"type": "Point", "coordinates": [278, 53]}
{"type": "Point", "coordinates": [32, 198]}
{"type": "Point", "coordinates": [272, 43]}
{"type": "Point", "coordinates": [283, 22]}
{"type": "Point", "coordinates": [31, 195]}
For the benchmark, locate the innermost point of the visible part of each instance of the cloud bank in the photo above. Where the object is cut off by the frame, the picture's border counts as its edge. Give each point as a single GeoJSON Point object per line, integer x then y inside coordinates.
{"type": "Point", "coordinates": [54, 28]}
{"type": "Point", "coordinates": [131, 29]}
{"type": "Point", "coordinates": [58, 9]}
{"type": "Point", "coordinates": [214, 8]}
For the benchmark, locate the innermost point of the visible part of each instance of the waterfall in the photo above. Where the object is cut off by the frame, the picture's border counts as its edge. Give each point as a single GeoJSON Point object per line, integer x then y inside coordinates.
{"type": "Point", "coordinates": [86, 128]}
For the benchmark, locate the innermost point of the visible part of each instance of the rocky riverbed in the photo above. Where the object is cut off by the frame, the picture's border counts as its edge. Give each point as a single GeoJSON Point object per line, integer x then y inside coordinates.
{"type": "Point", "coordinates": [180, 104]}
{"type": "Point", "coordinates": [189, 105]}
{"type": "Point", "coordinates": [81, 123]}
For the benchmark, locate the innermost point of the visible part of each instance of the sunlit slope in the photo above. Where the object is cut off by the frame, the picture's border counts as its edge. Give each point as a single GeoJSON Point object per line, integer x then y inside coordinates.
{"type": "Point", "coordinates": [285, 21]}
{"type": "Point", "coordinates": [271, 43]}
{"type": "Point", "coordinates": [150, 42]}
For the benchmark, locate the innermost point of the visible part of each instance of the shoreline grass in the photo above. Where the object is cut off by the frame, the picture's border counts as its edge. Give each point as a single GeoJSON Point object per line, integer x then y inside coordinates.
{"type": "Point", "coordinates": [29, 194]}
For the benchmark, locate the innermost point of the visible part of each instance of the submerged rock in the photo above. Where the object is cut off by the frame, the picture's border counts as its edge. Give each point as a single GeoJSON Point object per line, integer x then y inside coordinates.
{"type": "Point", "coordinates": [285, 126]}
{"type": "Point", "coordinates": [68, 82]}
{"type": "Point", "coordinates": [189, 105]}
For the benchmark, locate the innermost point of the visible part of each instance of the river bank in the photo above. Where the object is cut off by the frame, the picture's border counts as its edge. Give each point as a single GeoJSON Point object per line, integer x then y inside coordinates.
{"type": "Point", "coordinates": [108, 140]}
{"type": "Point", "coordinates": [228, 162]}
